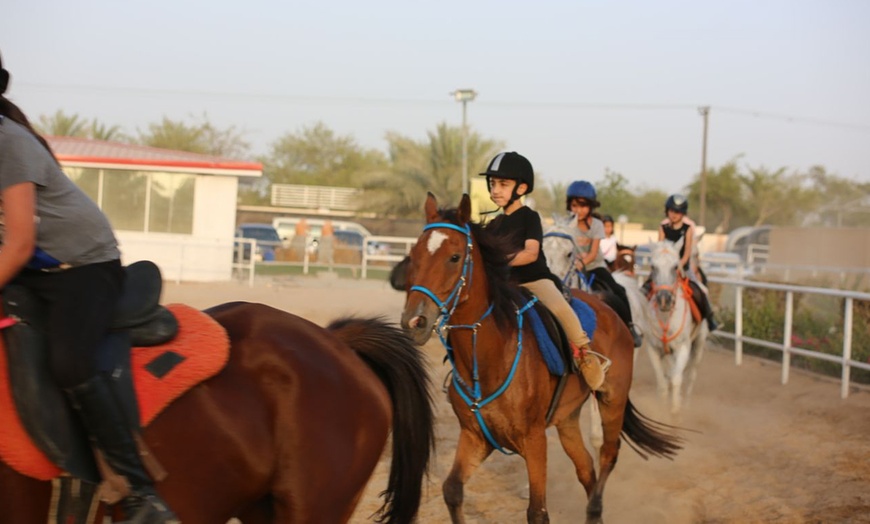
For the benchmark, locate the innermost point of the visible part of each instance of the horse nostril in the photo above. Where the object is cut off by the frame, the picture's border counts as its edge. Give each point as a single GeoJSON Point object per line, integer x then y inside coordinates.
{"type": "Point", "coordinates": [417, 322]}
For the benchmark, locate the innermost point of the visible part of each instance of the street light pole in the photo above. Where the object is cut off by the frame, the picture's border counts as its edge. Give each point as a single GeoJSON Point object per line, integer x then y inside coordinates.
{"type": "Point", "coordinates": [705, 112]}
{"type": "Point", "coordinates": [464, 96]}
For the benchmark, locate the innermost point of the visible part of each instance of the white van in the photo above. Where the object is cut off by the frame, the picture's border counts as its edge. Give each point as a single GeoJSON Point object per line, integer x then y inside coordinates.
{"type": "Point", "coordinates": [286, 227]}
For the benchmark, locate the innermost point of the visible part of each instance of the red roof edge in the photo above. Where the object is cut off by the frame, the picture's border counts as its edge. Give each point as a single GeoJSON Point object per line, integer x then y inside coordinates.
{"type": "Point", "coordinates": [243, 166]}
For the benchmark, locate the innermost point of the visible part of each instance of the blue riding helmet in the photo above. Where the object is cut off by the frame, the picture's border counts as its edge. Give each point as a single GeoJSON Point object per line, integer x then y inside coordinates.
{"type": "Point", "coordinates": [583, 190]}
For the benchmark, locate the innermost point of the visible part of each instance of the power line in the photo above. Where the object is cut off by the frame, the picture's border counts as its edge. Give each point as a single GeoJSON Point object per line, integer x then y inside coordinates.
{"type": "Point", "coordinates": [438, 102]}
{"type": "Point", "coordinates": [792, 119]}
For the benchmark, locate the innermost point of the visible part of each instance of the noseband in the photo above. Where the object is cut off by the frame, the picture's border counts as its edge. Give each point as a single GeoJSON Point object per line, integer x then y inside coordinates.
{"type": "Point", "coordinates": [671, 290]}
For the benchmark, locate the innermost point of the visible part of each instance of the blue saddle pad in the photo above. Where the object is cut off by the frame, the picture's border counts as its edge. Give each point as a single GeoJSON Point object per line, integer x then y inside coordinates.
{"type": "Point", "coordinates": [548, 348]}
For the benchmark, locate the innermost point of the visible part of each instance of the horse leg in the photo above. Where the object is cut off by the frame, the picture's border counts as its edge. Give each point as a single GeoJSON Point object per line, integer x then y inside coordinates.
{"type": "Point", "coordinates": [612, 414]}
{"type": "Point", "coordinates": [571, 439]}
{"type": "Point", "coordinates": [536, 466]}
{"type": "Point", "coordinates": [681, 360]}
{"type": "Point", "coordinates": [698, 347]}
{"type": "Point", "coordinates": [470, 453]}
{"type": "Point", "coordinates": [655, 358]}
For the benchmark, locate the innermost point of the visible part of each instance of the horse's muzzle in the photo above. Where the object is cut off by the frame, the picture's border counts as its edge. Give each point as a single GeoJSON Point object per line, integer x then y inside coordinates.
{"type": "Point", "coordinates": [418, 322]}
{"type": "Point", "coordinates": [664, 300]}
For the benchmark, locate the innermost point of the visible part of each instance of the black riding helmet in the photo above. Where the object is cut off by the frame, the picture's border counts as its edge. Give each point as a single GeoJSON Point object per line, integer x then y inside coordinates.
{"type": "Point", "coordinates": [678, 203]}
{"type": "Point", "coordinates": [513, 166]}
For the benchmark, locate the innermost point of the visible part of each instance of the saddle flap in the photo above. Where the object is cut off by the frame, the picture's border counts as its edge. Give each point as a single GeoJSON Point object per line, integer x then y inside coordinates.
{"type": "Point", "coordinates": [42, 407]}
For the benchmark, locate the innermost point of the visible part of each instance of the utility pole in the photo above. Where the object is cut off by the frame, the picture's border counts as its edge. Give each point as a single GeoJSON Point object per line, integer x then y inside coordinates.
{"type": "Point", "coordinates": [702, 217]}
{"type": "Point", "coordinates": [464, 96]}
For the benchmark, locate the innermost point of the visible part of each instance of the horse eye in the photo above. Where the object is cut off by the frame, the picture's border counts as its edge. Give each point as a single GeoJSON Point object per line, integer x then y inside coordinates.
{"type": "Point", "coordinates": [454, 258]}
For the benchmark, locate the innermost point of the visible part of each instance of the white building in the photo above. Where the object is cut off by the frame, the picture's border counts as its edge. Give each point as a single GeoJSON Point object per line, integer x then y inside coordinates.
{"type": "Point", "coordinates": [175, 208]}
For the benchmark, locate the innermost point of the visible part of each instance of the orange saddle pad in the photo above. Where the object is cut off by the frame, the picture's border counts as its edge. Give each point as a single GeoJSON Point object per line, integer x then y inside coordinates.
{"type": "Point", "coordinates": [199, 351]}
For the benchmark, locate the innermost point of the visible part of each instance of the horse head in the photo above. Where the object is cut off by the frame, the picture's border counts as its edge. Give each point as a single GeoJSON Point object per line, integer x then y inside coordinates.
{"type": "Point", "coordinates": [560, 249]}
{"type": "Point", "coordinates": [437, 269]}
{"type": "Point", "coordinates": [665, 263]}
{"type": "Point", "coordinates": [625, 259]}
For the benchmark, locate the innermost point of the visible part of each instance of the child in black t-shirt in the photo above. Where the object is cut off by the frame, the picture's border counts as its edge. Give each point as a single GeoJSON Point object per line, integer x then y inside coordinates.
{"type": "Point", "coordinates": [510, 176]}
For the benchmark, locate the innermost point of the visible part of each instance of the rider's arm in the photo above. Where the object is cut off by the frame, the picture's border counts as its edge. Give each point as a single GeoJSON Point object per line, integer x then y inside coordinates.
{"type": "Point", "coordinates": [529, 253]}
{"type": "Point", "coordinates": [689, 245]}
{"type": "Point", "coordinates": [19, 241]}
{"type": "Point", "coordinates": [661, 233]}
{"type": "Point", "coordinates": [593, 252]}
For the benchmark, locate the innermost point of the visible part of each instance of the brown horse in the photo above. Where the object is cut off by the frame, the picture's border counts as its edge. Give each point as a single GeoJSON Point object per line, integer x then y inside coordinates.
{"type": "Point", "coordinates": [289, 431]}
{"type": "Point", "coordinates": [501, 385]}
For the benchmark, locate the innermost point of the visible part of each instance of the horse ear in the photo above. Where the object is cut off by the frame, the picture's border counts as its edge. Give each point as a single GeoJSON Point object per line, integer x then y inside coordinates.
{"type": "Point", "coordinates": [464, 214]}
{"type": "Point", "coordinates": [679, 244]}
{"type": "Point", "coordinates": [431, 208]}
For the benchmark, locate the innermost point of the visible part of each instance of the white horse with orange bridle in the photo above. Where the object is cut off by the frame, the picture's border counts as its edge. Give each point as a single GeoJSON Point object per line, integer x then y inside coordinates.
{"type": "Point", "coordinates": [675, 342]}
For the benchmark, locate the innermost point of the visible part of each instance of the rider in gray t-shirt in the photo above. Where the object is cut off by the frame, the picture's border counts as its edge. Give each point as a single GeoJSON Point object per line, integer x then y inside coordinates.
{"type": "Point", "coordinates": [59, 246]}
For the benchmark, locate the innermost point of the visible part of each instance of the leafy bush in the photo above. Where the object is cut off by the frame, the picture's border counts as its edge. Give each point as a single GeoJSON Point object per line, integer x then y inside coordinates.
{"type": "Point", "coordinates": [817, 325]}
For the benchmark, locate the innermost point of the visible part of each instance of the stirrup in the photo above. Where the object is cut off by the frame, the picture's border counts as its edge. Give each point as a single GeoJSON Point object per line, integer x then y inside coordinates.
{"type": "Point", "coordinates": [604, 361]}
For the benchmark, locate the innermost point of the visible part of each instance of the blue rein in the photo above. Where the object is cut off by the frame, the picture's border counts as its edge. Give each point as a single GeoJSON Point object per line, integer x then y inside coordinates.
{"type": "Point", "coordinates": [471, 395]}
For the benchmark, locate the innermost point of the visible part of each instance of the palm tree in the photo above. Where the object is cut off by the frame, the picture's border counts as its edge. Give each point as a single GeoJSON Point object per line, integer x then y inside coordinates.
{"type": "Point", "coordinates": [417, 167]}
{"type": "Point", "coordinates": [61, 124]}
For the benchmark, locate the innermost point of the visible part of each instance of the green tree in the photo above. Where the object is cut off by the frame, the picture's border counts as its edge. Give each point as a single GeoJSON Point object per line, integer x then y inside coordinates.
{"type": "Point", "coordinates": [62, 124]}
{"type": "Point", "coordinates": [317, 156]}
{"type": "Point", "coordinates": [615, 197]}
{"type": "Point", "coordinates": [835, 201]}
{"type": "Point", "coordinates": [549, 197]}
{"type": "Point", "coordinates": [432, 165]}
{"type": "Point", "coordinates": [201, 138]}
{"type": "Point", "coordinates": [774, 196]}
{"type": "Point", "coordinates": [101, 131]}
{"type": "Point", "coordinates": [726, 199]}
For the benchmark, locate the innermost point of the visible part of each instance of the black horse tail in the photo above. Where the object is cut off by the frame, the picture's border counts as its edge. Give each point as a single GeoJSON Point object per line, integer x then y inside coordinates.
{"type": "Point", "coordinates": [398, 362]}
{"type": "Point", "coordinates": [648, 437]}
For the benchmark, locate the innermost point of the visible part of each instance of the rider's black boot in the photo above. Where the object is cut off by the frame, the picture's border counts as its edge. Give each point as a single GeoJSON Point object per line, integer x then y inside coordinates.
{"type": "Point", "coordinates": [104, 420]}
{"type": "Point", "coordinates": [637, 335]}
{"type": "Point", "coordinates": [711, 323]}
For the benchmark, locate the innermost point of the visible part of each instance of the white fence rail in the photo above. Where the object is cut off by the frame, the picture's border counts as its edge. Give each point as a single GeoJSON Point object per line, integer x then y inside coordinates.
{"type": "Point", "coordinates": [844, 359]}
{"type": "Point", "coordinates": [384, 251]}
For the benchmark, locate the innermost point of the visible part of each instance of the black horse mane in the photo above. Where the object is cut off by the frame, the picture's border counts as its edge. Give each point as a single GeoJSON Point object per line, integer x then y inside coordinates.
{"type": "Point", "coordinates": [496, 250]}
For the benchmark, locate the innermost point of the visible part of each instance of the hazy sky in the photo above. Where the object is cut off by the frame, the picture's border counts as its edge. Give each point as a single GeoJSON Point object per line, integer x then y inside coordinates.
{"type": "Point", "coordinates": [576, 86]}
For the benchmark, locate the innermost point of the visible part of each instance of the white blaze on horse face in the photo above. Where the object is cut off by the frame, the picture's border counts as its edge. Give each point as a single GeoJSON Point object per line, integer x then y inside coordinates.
{"type": "Point", "coordinates": [436, 238]}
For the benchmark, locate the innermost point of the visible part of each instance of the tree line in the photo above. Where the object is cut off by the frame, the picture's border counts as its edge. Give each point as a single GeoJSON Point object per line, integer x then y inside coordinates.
{"type": "Point", "coordinates": [396, 181]}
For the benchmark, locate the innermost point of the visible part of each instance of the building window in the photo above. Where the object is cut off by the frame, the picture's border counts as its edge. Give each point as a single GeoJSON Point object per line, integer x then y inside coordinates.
{"type": "Point", "coordinates": [140, 200]}
{"type": "Point", "coordinates": [124, 198]}
{"type": "Point", "coordinates": [171, 203]}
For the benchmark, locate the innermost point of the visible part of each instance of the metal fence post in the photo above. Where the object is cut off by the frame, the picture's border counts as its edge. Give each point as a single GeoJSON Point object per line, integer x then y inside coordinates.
{"type": "Point", "coordinates": [738, 326]}
{"type": "Point", "coordinates": [786, 337]}
{"type": "Point", "coordinates": [847, 347]}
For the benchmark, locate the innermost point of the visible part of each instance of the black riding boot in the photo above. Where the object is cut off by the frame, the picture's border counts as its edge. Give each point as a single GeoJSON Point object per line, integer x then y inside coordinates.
{"type": "Point", "coordinates": [109, 431]}
{"type": "Point", "coordinates": [636, 335]}
{"type": "Point", "coordinates": [707, 312]}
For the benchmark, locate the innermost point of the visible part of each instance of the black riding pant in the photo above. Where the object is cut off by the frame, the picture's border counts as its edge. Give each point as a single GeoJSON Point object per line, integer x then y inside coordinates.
{"type": "Point", "coordinates": [80, 302]}
{"type": "Point", "coordinates": [606, 280]}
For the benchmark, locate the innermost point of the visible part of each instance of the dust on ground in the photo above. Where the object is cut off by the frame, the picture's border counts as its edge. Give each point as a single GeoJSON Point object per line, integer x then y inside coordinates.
{"type": "Point", "coordinates": [763, 452]}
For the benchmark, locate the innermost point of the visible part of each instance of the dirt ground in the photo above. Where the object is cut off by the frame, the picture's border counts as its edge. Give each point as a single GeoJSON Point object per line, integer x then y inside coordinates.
{"type": "Point", "coordinates": [764, 452]}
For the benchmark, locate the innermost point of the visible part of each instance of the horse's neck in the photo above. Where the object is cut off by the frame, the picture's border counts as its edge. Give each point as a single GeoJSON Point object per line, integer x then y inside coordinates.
{"type": "Point", "coordinates": [493, 346]}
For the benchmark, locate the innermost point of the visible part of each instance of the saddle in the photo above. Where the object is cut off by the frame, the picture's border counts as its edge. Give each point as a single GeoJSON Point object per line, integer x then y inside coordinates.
{"type": "Point", "coordinates": [551, 338]}
{"type": "Point", "coordinates": [41, 406]}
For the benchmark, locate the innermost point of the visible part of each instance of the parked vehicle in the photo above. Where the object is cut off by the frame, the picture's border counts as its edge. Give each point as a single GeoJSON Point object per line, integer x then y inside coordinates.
{"type": "Point", "coordinates": [286, 227]}
{"type": "Point", "coordinates": [267, 239]}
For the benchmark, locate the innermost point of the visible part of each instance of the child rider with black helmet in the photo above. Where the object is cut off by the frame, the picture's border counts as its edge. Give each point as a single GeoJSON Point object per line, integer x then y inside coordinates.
{"type": "Point", "coordinates": [509, 176]}
{"type": "Point", "coordinates": [675, 226]}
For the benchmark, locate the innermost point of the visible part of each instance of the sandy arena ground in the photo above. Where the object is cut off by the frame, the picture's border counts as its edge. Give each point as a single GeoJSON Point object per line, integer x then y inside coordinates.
{"type": "Point", "coordinates": [764, 452]}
